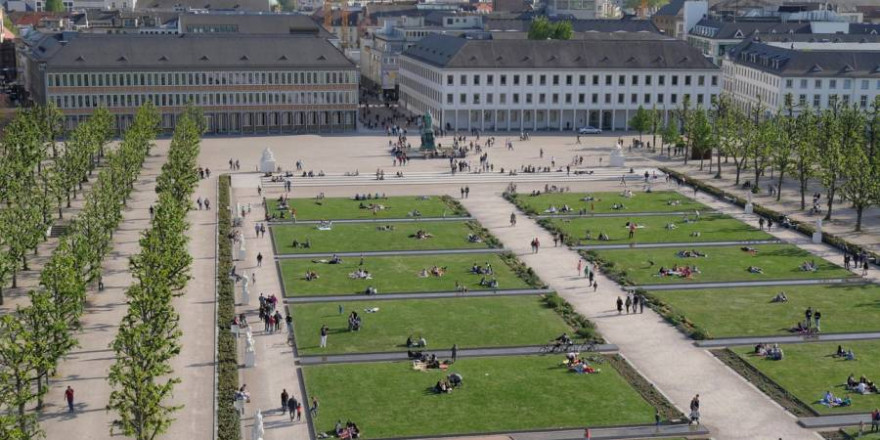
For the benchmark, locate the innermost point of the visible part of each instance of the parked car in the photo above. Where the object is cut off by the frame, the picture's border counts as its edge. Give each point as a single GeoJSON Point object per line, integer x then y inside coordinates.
{"type": "Point", "coordinates": [589, 130]}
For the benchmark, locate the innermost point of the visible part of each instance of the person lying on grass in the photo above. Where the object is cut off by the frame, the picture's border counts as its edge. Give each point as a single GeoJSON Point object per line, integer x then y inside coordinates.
{"type": "Point", "coordinates": [334, 260]}
{"type": "Point", "coordinates": [690, 254]}
{"type": "Point", "coordinates": [301, 244]}
{"type": "Point", "coordinates": [360, 274]}
{"type": "Point", "coordinates": [756, 269]}
{"type": "Point", "coordinates": [676, 271]}
{"type": "Point", "coordinates": [577, 365]}
{"type": "Point", "coordinates": [492, 284]}
{"type": "Point", "coordinates": [780, 298]}
{"type": "Point", "coordinates": [749, 249]}
{"type": "Point", "coordinates": [421, 234]}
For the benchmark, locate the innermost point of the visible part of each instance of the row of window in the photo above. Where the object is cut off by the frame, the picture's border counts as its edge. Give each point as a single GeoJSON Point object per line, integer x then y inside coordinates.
{"type": "Point", "coordinates": [568, 98]}
{"type": "Point", "coordinates": [180, 99]}
{"type": "Point", "coordinates": [569, 80]}
{"type": "Point", "coordinates": [846, 83]}
{"type": "Point", "coordinates": [199, 78]}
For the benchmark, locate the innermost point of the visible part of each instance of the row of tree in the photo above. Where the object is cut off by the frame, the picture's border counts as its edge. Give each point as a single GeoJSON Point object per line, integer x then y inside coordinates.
{"type": "Point", "coordinates": [149, 335]}
{"type": "Point", "coordinates": [839, 146]}
{"type": "Point", "coordinates": [34, 338]}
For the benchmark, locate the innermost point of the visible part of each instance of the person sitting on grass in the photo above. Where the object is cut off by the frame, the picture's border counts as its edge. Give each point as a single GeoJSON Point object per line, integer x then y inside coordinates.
{"type": "Point", "coordinates": [618, 206]}
{"type": "Point", "coordinates": [695, 234]}
{"type": "Point", "coordinates": [414, 213]}
{"type": "Point", "coordinates": [492, 284]}
{"type": "Point", "coordinates": [588, 235]}
{"type": "Point", "coordinates": [474, 238]}
{"type": "Point", "coordinates": [780, 298]}
{"type": "Point", "coordinates": [799, 327]}
{"type": "Point", "coordinates": [775, 353]}
{"type": "Point", "coordinates": [438, 271]}
{"type": "Point", "coordinates": [831, 401]}
{"type": "Point", "coordinates": [454, 380]}
{"type": "Point", "coordinates": [360, 274]}
{"type": "Point", "coordinates": [311, 275]}
{"type": "Point", "coordinates": [840, 352]}
{"type": "Point", "coordinates": [756, 269]}
{"type": "Point", "coordinates": [603, 237]}
{"type": "Point", "coordinates": [370, 290]}
{"type": "Point", "coordinates": [442, 387]}
{"type": "Point", "coordinates": [421, 234]}
{"type": "Point", "coordinates": [849, 355]}
{"type": "Point", "coordinates": [423, 273]}
{"type": "Point", "coordinates": [809, 266]}
{"type": "Point", "coordinates": [749, 249]}
{"type": "Point", "coordinates": [670, 226]}
{"type": "Point", "coordinates": [385, 228]}
{"type": "Point", "coordinates": [851, 381]}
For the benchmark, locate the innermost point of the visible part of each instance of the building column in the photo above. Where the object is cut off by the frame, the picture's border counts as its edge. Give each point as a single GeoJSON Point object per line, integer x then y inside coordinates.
{"type": "Point", "coordinates": [626, 119]}
{"type": "Point", "coordinates": [535, 120]}
{"type": "Point", "coordinates": [613, 119]}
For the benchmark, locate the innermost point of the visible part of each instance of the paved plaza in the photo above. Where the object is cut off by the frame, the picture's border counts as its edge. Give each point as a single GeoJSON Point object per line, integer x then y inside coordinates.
{"type": "Point", "coordinates": [732, 407]}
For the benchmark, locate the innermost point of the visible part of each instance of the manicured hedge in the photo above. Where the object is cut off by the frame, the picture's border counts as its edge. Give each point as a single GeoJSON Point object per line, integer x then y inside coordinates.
{"type": "Point", "coordinates": [228, 423]}
{"type": "Point", "coordinates": [583, 327]}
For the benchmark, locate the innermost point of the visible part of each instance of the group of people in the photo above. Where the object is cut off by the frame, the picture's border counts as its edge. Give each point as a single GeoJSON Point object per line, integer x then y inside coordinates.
{"type": "Point", "coordinates": [451, 382]}
{"type": "Point", "coordinates": [856, 260]}
{"type": "Point", "coordinates": [847, 354]}
{"type": "Point", "coordinates": [809, 266]}
{"type": "Point", "coordinates": [772, 352]}
{"type": "Point", "coordinates": [861, 386]}
{"type": "Point", "coordinates": [269, 314]}
{"type": "Point", "coordinates": [354, 322]}
{"type": "Point", "coordinates": [360, 274]}
{"type": "Point", "coordinates": [348, 431]}
{"type": "Point", "coordinates": [633, 301]}
{"type": "Point", "coordinates": [578, 365]}
{"type": "Point", "coordinates": [810, 324]}
{"type": "Point", "coordinates": [678, 271]}
{"type": "Point", "coordinates": [435, 271]}
{"type": "Point", "coordinates": [422, 234]}
{"type": "Point", "coordinates": [832, 401]}
{"type": "Point", "coordinates": [601, 237]}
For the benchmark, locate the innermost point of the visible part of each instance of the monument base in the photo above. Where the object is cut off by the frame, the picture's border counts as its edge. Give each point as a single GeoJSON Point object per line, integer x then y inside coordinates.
{"type": "Point", "coordinates": [817, 237]}
{"type": "Point", "coordinates": [750, 208]}
{"type": "Point", "coordinates": [617, 160]}
{"type": "Point", "coordinates": [250, 359]}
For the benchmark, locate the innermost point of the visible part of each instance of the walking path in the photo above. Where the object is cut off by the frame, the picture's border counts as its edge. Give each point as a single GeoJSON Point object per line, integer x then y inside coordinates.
{"type": "Point", "coordinates": [394, 253]}
{"type": "Point", "coordinates": [464, 352]}
{"type": "Point", "coordinates": [427, 295]}
{"type": "Point", "coordinates": [87, 366]}
{"type": "Point", "coordinates": [675, 245]}
{"type": "Point", "coordinates": [791, 339]}
{"type": "Point", "coordinates": [275, 367]}
{"type": "Point", "coordinates": [732, 284]}
{"type": "Point", "coordinates": [731, 407]}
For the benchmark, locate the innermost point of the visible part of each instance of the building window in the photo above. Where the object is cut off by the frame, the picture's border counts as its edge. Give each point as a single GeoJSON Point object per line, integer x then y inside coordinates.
{"type": "Point", "coordinates": [581, 98]}
{"type": "Point", "coordinates": [673, 99]}
{"type": "Point", "coordinates": [863, 101]}
{"type": "Point", "coordinates": [449, 98]}
{"type": "Point", "coordinates": [542, 98]}
{"type": "Point", "coordinates": [802, 100]}
{"type": "Point", "coordinates": [462, 98]}
{"type": "Point", "coordinates": [489, 98]}
{"type": "Point", "coordinates": [701, 80]}
{"type": "Point", "coordinates": [490, 80]}
{"type": "Point", "coordinates": [516, 98]}
{"type": "Point", "coordinates": [634, 99]}
{"type": "Point", "coordinates": [789, 83]}
{"type": "Point", "coordinates": [621, 80]}
{"type": "Point", "coordinates": [607, 98]}
{"type": "Point", "coordinates": [817, 84]}
{"type": "Point", "coordinates": [687, 80]}
{"type": "Point", "coordinates": [476, 80]}
{"type": "Point", "coordinates": [502, 98]}
{"type": "Point", "coordinates": [462, 80]}
{"type": "Point", "coordinates": [847, 84]}
{"type": "Point", "coordinates": [661, 80]}
{"type": "Point", "coordinates": [503, 80]}
{"type": "Point", "coordinates": [647, 98]}
{"type": "Point", "coordinates": [660, 98]}
{"type": "Point", "coordinates": [529, 80]}
{"type": "Point", "coordinates": [516, 80]}
{"type": "Point", "coordinates": [674, 80]}
{"type": "Point", "coordinates": [607, 80]}
{"type": "Point", "coordinates": [528, 98]}
{"type": "Point", "coordinates": [542, 80]}
{"type": "Point", "coordinates": [556, 98]}
{"type": "Point", "coordinates": [832, 84]}
{"type": "Point", "coordinates": [699, 99]}
{"type": "Point", "coordinates": [817, 101]}
{"type": "Point", "coordinates": [594, 98]}
{"type": "Point", "coordinates": [583, 80]}
{"type": "Point", "coordinates": [555, 80]}
{"type": "Point", "coordinates": [595, 80]}
{"type": "Point", "coordinates": [864, 84]}
{"type": "Point", "coordinates": [620, 98]}
{"type": "Point", "coordinates": [635, 80]}
{"type": "Point", "coordinates": [648, 80]}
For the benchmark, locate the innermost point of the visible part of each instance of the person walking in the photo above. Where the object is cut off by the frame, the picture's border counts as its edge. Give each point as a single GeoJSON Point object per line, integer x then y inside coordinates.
{"type": "Point", "coordinates": [865, 268]}
{"type": "Point", "coordinates": [619, 305]}
{"type": "Point", "coordinates": [695, 409]}
{"type": "Point", "coordinates": [324, 331]}
{"type": "Point", "coordinates": [635, 302]}
{"type": "Point", "coordinates": [590, 274]}
{"type": "Point", "coordinates": [628, 304]}
{"type": "Point", "coordinates": [207, 204]}
{"type": "Point", "coordinates": [538, 247]}
{"type": "Point", "coordinates": [875, 420]}
{"type": "Point", "coordinates": [595, 285]}
{"type": "Point", "coordinates": [292, 404]}
{"type": "Point", "coordinates": [512, 219]}
{"type": "Point", "coordinates": [259, 259]}
{"type": "Point", "coordinates": [299, 411]}
{"type": "Point", "coordinates": [817, 316]}
{"type": "Point", "coordinates": [808, 314]}
{"type": "Point", "coordinates": [461, 190]}
{"type": "Point", "coordinates": [580, 267]}
{"type": "Point", "coordinates": [761, 223]}
{"type": "Point", "coordinates": [454, 352]}
{"type": "Point", "coordinates": [846, 261]}
{"type": "Point", "coordinates": [642, 303]}
{"type": "Point", "coordinates": [314, 409]}
{"type": "Point", "coordinates": [284, 398]}
{"type": "Point", "coordinates": [68, 396]}
{"type": "Point", "coordinates": [467, 191]}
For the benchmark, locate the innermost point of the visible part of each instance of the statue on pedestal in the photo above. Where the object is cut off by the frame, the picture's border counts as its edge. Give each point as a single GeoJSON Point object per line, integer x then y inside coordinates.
{"type": "Point", "coordinates": [427, 133]}
{"type": "Point", "coordinates": [617, 157]}
{"type": "Point", "coordinates": [817, 234]}
{"type": "Point", "coordinates": [267, 161]}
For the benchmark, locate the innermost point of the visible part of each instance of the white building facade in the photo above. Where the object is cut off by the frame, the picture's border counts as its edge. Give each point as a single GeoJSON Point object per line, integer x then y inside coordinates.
{"type": "Point", "coordinates": [816, 75]}
{"type": "Point", "coordinates": [551, 85]}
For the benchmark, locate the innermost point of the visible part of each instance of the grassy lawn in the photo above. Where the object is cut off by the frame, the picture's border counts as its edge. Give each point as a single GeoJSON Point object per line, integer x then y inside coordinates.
{"type": "Point", "coordinates": [468, 322]}
{"type": "Point", "coordinates": [499, 394]}
{"type": "Point", "coordinates": [749, 312]}
{"type": "Point", "coordinates": [660, 201]}
{"type": "Point", "coordinates": [712, 227]}
{"type": "Point", "coordinates": [348, 208]}
{"type": "Point", "coordinates": [808, 371]}
{"type": "Point", "coordinates": [723, 263]}
{"type": "Point", "coordinates": [854, 432]}
{"type": "Point", "coordinates": [396, 275]}
{"type": "Point", "coordinates": [365, 237]}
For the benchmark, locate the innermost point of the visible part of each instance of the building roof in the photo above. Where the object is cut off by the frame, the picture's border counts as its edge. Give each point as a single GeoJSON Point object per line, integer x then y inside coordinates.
{"type": "Point", "coordinates": [828, 61]}
{"type": "Point", "coordinates": [252, 23]}
{"type": "Point", "coordinates": [184, 52]}
{"type": "Point", "coordinates": [601, 25]}
{"type": "Point", "coordinates": [649, 53]}
{"type": "Point", "coordinates": [510, 5]}
{"type": "Point", "coordinates": [671, 9]}
{"type": "Point", "coordinates": [733, 30]}
{"type": "Point", "coordinates": [591, 35]}
{"type": "Point", "coordinates": [212, 5]}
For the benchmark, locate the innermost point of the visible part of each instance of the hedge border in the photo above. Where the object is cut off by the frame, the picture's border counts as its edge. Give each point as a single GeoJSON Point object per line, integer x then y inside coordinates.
{"type": "Point", "coordinates": [582, 326]}
{"type": "Point", "coordinates": [802, 227]}
{"type": "Point", "coordinates": [522, 270]}
{"type": "Point", "coordinates": [228, 420]}
{"type": "Point", "coordinates": [645, 388]}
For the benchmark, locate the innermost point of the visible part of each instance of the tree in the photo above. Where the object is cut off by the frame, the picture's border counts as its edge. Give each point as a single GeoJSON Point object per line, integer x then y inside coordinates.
{"type": "Point", "coordinates": [543, 29]}
{"type": "Point", "coordinates": [641, 121]}
{"type": "Point", "coordinates": [656, 126]}
{"type": "Point", "coordinates": [670, 135]}
{"type": "Point", "coordinates": [782, 151]}
{"type": "Point", "coordinates": [562, 31]}
{"type": "Point", "coordinates": [55, 6]}
{"type": "Point", "coordinates": [684, 118]}
{"type": "Point", "coordinates": [832, 160]}
{"type": "Point", "coordinates": [806, 137]}
{"type": "Point", "coordinates": [735, 130]}
{"type": "Point", "coordinates": [700, 134]}
{"type": "Point", "coordinates": [17, 366]}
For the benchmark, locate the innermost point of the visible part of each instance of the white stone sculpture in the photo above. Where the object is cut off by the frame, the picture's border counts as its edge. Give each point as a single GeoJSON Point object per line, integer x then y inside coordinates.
{"type": "Point", "coordinates": [250, 352]}
{"type": "Point", "coordinates": [617, 157]}
{"type": "Point", "coordinates": [267, 161]}
{"type": "Point", "coordinates": [749, 208]}
{"type": "Point", "coordinates": [817, 234]}
{"type": "Point", "coordinates": [245, 291]}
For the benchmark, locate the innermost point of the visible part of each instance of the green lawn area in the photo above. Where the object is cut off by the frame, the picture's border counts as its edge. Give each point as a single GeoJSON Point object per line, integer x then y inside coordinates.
{"type": "Point", "coordinates": [854, 432]}
{"type": "Point", "coordinates": [808, 371]}
{"type": "Point", "coordinates": [749, 312]}
{"type": "Point", "coordinates": [349, 208]}
{"type": "Point", "coordinates": [712, 227]}
{"type": "Point", "coordinates": [399, 274]}
{"type": "Point", "coordinates": [365, 237]}
{"type": "Point", "coordinates": [659, 201]}
{"type": "Point", "coordinates": [499, 394]}
{"type": "Point", "coordinates": [723, 263]}
{"type": "Point", "coordinates": [468, 322]}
